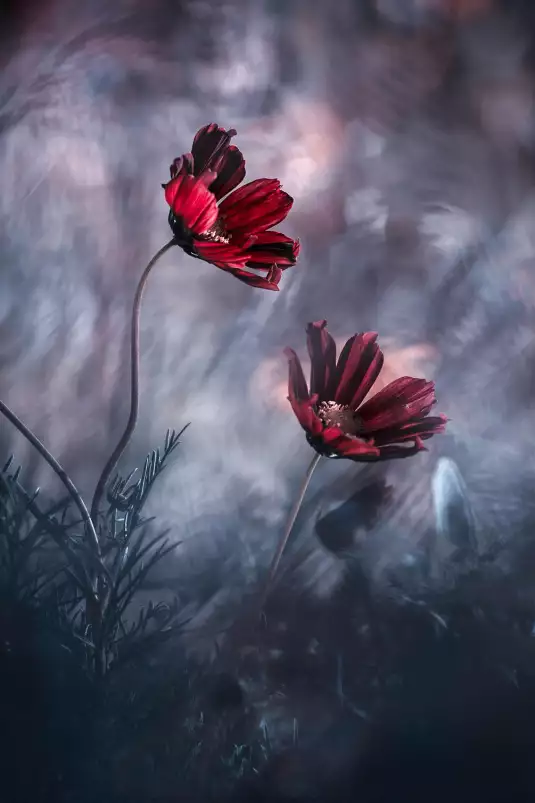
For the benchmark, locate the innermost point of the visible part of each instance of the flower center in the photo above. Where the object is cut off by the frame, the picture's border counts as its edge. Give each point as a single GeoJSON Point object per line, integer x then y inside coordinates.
{"type": "Point", "coordinates": [216, 234]}
{"type": "Point", "coordinates": [341, 416]}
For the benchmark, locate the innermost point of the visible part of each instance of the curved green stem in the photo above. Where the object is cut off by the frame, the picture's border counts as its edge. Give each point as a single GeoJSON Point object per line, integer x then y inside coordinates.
{"type": "Point", "coordinates": [288, 529]}
{"type": "Point", "coordinates": [59, 470]}
{"type": "Point", "coordinates": [134, 386]}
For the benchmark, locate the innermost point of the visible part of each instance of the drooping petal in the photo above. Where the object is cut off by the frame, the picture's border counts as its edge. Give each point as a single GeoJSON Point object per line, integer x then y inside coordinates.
{"type": "Point", "coordinates": [299, 397]}
{"type": "Point", "coordinates": [269, 282]}
{"type": "Point", "coordinates": [275, 241]}
{"type": "Point", "coordinates": [209, 147]}
{"type": "Point", "coordinates": [322, 351]}
{"type": "Point", "coordinates": [422, 428]}
{"type": "Point", "coordinates": [272, 247]}
{"type": "Point", "coordinates": [400, 402]}
{"type": "Point", "coordinates": [359, 365]}
{"type": "Point", "coordinates": [230, 170]}
{"type": "Point", "coordinates": [334, 440]}
{"type": "Point", "coordinates": [400, 450]}
{"type": "Point", "coordinates": [255, 207]}
{"type": "Point", "coordinates": [192, 202]}
{"type": "Point", "coordinates": [232, 259]}
{"type": "Point", "coordinates": [219, 254]}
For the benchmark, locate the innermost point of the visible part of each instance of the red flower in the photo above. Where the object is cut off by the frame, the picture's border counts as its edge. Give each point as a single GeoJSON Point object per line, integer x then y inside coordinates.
{"type": "Point", "coordinates": [231, 233]}
{"type": "Point", "coordinates": [393, 423]}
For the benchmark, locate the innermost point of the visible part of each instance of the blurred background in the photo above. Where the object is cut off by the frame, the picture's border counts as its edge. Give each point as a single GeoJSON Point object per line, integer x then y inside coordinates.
{"type": "Point", "coordinates": [405, 131]}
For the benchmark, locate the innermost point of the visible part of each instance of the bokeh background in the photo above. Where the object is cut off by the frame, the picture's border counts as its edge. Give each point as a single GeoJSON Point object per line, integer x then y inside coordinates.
{"type": "Point", "coordinates": [405, 131]}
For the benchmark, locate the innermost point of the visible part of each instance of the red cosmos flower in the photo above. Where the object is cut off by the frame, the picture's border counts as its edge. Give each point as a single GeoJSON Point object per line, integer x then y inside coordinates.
{"type": "Point", "coordinates": [232, 233]}
{"type": "Point", "coordinates": [393, 423]}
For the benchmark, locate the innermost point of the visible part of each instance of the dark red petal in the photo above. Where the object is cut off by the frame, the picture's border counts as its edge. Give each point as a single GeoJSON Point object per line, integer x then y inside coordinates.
{"type": "Point", "coordinates": [171, 189]}
{"type": "Point", "coordinates": [274, 276]}
{"type": "Point", "coordinates": [192, 203]}
{"type": "Point", "coordinates": [400, 402]}
{"type": "Point", "coordinates": [230, 170]}
{"type": "Point", "coordinates": [272, 247]}
{"type": "Point", "coordinates": [255, 207]}
{"type": "Point", "coordinates": [322, 351]}
{"type": "Point", "coordinates": [299, 397]}
{"type": "Point", "coordinates": [343, 445]}
{"type": "Point", "coordinates": [252, 192]}
{"type": "Point", "coordinates": [423, 428]}
{"type": "Point", "coordinates": [209, 146]}
{"type": "Point", "coordinates": [275, 239]}
{"type": "Point", "coordinates": [182, 164]}
{"type": "Point", "coordinates": [270, 282]}
{"type": "Point", "coordinates": [297, 387]}
{"type": "Point", "coordinates": [395, 451]}
{"type": "Point", "coordinates": [221, 253]}
{"type": "Point", "coordinates": [359, 365]}
{"type": "Point", "coordinates": [232, 260]}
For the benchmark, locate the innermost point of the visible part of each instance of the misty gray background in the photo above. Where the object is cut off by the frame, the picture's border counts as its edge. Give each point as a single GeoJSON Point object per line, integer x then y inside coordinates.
{"type": "Point", "coordinates": [405, 137]}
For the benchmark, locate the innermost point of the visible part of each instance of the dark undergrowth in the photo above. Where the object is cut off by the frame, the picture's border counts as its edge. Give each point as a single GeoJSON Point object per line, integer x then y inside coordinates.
{"type": "Point", "coordinates": [368, 696]}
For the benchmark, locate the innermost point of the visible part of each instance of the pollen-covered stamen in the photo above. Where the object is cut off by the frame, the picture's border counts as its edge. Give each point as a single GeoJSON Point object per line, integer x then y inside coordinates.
{"type": "Point", "coordinates": [216, 234]}
{"type": "Point", "coordinates": [341, 416]}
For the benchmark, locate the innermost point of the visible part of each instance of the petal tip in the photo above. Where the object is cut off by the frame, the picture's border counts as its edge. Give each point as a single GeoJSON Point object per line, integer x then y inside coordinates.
{"type": "Point", "coordinates": [321, 324]}
{"type": "Point", "coordinates": [289, 353]}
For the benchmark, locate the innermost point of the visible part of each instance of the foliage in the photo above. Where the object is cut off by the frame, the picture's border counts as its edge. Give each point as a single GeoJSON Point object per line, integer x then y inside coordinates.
{"type": "Point", "coordinates": [44, 553]}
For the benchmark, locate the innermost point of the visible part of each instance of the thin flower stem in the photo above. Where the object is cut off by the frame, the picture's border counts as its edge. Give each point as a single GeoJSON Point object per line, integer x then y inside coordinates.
{"type": "Point", "coordinates": [288, 529]}
{"type": "Point", "coordinates": [61, 473]}
{"type": "Point", "coordinates": [134, 386]}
